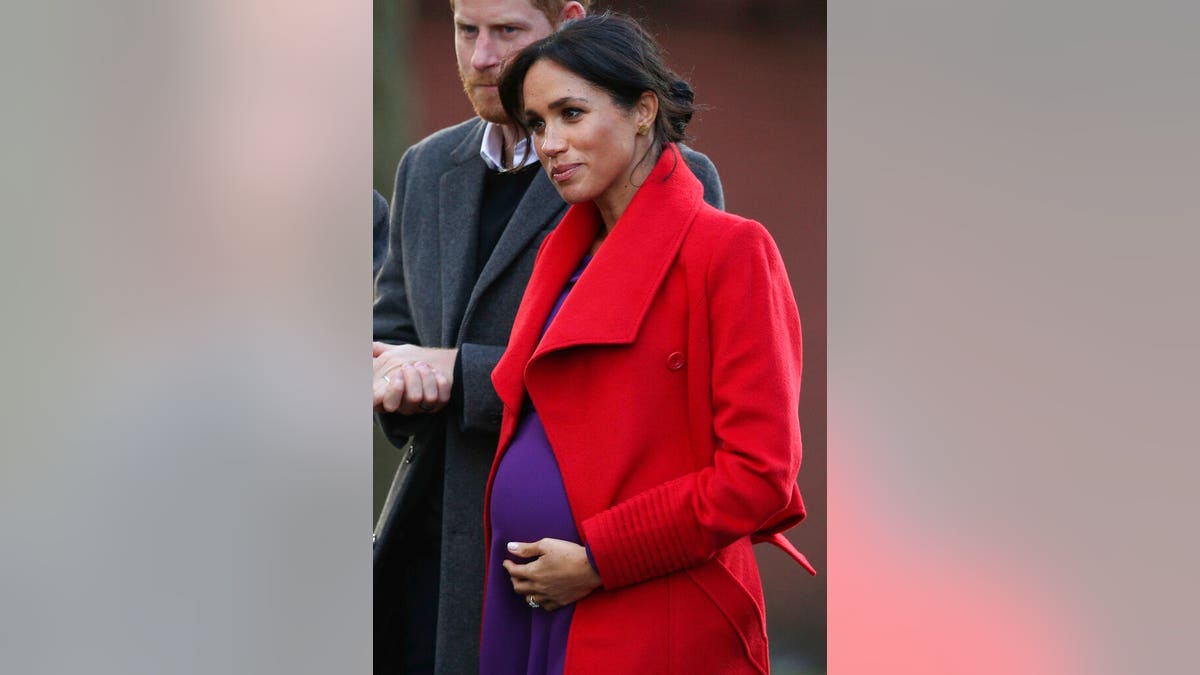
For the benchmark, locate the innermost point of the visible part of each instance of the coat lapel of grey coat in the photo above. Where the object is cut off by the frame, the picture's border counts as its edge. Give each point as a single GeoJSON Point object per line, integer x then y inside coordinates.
{"type": "Point", "coordinates": [459, 193]}
{"type": "Point", "coordinates": [540, 208]}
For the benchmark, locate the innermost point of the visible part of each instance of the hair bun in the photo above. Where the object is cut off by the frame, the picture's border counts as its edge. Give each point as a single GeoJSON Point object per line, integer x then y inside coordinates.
{"type": "Point", "coordinates": [682, 93]}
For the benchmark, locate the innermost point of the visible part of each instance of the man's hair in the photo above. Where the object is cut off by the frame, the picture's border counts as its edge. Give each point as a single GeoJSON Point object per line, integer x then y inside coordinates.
{"type": "Point", "coordinates": [550, 8]}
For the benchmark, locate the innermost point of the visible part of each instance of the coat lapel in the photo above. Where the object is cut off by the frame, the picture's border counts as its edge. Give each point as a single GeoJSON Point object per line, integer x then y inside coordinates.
{"type": "Point", "coordinates": [611, 299]}
{"type": "Point", "coordinates": [459, 193]}
{"type": "Point", "coordinates": [563, 250]}
{"type": "Point", "coordinates": [539, 208]}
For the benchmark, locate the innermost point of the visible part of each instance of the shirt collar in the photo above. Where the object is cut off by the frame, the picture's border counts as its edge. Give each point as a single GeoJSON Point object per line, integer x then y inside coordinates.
{"type": "Point", "coordinates": [492, 149]}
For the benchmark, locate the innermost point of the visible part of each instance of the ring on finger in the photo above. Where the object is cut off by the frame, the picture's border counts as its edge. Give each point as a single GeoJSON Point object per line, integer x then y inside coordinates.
{"type": "Point", "coordinates": [530, 601]}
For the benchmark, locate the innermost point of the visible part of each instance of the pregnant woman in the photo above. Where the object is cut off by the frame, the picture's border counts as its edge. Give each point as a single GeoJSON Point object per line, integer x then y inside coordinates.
{"type": "Point", "coordinates": [650, 389]}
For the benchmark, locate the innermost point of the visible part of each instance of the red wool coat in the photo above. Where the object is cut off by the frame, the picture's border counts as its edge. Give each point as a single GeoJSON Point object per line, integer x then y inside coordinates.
{"type": "Point", "coordinates": [668, 386]}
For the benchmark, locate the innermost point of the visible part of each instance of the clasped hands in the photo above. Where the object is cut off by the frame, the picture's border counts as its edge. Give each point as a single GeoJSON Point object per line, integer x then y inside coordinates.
{"type": "Point", "coordinates": [559, 574]}
{"type": "Point", "coordinates": [411, 380]}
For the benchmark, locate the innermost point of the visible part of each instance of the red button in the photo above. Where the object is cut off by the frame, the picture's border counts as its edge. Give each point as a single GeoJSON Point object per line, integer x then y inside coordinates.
{"type": "Point", "coordinates": [675, 360]}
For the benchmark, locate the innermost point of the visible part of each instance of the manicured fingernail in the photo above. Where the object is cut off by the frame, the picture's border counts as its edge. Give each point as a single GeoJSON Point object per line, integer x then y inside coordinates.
{"type": "Point", "coordinates": [512, 546]}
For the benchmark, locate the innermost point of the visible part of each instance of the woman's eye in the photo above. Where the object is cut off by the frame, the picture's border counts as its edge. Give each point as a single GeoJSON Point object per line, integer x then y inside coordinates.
{"type": "Point", "coordinates": [572, 113]}
{"type": "Point", "coordinates": [536, 126]}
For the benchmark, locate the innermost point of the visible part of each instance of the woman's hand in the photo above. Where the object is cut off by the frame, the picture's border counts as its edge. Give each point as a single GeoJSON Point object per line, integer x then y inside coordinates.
{"type": "Point", "coordinates": [560, 575]}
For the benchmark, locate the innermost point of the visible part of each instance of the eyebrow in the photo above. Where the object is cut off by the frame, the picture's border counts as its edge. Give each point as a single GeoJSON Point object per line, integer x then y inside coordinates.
{"type": "Point", "coordinates": [555, 105]}
{"type": "Point", "coordinates": [514, 22]}
{"type": "Point", "coordinates": [565, 100]}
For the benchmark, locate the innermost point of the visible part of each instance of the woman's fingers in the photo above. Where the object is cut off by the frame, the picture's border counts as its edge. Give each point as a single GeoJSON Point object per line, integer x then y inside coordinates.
{"type": "Point", "coordinates": [519, 571]}
{"type": "Point", "coordinates": [527, 587]}
{"type": "Point", "coordinates": [521, 583]}
{"type": "Point", "coordinates": [527, 581]}
{"type": "Point", "coordinates": [523, 549]}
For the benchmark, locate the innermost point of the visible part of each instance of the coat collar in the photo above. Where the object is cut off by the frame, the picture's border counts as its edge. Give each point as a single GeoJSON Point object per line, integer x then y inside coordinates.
{"type": "Point", "coordinates": [468, 148]}
{"type": "Point", "coordinates": [611, 299]}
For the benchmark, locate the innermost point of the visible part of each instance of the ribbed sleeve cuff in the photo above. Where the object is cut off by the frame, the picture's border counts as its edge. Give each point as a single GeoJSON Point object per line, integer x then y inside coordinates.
{"type": "Point", "coordinates": [642, 538]}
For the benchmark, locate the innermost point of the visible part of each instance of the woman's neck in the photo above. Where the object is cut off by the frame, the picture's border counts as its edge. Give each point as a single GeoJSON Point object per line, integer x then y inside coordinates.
{"type": "Point", "coordinates": [616, 199]}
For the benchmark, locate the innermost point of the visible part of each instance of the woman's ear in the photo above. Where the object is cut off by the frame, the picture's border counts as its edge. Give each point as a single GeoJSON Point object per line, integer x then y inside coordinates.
{"type": "Point", "coordinates": [646, 109]}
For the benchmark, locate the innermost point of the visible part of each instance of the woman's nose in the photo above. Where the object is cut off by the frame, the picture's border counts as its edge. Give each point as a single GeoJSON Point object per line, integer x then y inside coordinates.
{"type": "Point", "coordinates": [552, 143]}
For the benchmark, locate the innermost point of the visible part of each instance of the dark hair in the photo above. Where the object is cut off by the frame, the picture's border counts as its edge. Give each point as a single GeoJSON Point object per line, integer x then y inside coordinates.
{"type": "Point", "coordinates": [614, 53]}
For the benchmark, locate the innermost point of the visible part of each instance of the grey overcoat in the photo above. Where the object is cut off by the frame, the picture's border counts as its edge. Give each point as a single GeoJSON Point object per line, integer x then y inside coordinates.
{"type": "Point", "coordinates": [425, 296]}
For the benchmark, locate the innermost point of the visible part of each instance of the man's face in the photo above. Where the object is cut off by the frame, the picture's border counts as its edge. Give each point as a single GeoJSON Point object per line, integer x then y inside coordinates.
{"type": "Point", "coordinates": [486, 34]}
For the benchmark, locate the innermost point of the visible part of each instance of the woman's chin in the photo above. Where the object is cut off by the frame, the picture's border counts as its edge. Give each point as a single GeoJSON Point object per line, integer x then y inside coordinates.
{"type": "Point", "coordinates": [571, 196]}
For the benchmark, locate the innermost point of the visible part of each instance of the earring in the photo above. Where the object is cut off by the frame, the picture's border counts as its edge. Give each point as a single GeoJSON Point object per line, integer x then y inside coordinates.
{"type": "Point", "coordinates": [643, 129]}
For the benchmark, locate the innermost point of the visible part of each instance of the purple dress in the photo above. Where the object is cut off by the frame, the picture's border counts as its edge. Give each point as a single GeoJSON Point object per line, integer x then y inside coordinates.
{"type": "Point", "coordinates": [529, 502]}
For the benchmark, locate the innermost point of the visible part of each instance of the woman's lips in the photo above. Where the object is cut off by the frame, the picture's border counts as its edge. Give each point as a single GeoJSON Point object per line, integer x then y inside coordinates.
{"type": "Point", "coordinates": [564, 172]}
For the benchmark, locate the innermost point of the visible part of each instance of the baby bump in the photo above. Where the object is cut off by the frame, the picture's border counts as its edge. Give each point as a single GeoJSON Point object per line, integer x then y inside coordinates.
{"type": "Point", "coordinates": [529, 501]}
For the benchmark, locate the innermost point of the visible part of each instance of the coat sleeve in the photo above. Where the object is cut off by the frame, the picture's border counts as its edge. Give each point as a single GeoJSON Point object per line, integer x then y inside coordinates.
{"type": "Point", "coordinates": [756, 362]}
{"type": "Point", "coordinates": [481, 406]}
{"type": "Point", "coordinates": [392, 316]}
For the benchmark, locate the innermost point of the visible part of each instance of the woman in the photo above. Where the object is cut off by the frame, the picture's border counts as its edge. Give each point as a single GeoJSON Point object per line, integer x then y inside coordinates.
{"type": "Point", "coordinates": [650, 389]}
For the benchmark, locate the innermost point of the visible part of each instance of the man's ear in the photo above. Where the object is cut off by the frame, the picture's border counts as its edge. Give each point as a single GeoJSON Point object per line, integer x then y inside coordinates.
{"type": "Point", "coordinates": [571, 10]}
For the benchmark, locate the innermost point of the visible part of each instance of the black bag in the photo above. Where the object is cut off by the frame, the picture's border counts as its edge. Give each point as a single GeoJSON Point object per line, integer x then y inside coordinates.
{"type": "Point", "coordinates": [420, 457]}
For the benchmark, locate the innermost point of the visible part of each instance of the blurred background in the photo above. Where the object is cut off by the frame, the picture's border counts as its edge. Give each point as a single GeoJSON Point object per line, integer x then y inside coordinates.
{"type": "Point", "coordinates": [758, 70]}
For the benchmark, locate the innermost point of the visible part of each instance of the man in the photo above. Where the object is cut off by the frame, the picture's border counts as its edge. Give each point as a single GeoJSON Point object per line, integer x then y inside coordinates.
{"type": "Point", "coordinates": [463, 236]}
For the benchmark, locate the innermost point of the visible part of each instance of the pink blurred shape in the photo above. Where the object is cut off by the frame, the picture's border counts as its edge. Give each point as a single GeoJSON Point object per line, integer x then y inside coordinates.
{"type": "Point", "coordinates": [906, 598]}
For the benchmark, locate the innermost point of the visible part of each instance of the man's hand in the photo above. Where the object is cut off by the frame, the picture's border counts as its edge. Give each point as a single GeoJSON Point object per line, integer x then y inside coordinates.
{"type": "Point", "coordinates": [560, 575]}
{"type": "Point", "coordinates": [412, 380]}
